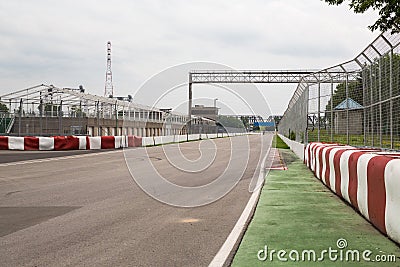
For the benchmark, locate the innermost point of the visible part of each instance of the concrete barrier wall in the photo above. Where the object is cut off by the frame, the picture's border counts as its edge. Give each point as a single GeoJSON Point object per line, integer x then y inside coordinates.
{"type": "Point", "coordinates": [193, 137]}
{"type": "Point", "coordinates": [296, 147]}
{"type": "Point", "coordinates": [147, 141]}
{"type": "Point", "coordinates": [157, 140]}
{"type": "Point", "coordinates": [68, 142]}
{"type": "Point", "coordinates": [368, 179]}
{"type": "Point", "coordinates": [96, 142]}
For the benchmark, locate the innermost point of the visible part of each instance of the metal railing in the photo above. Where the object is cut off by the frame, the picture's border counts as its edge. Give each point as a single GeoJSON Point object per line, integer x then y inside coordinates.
{"type": "Point", "coordinates": [357, 102]}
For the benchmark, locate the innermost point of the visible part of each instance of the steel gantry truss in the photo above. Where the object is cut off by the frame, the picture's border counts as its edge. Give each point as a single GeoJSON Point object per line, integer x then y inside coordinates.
{"type": "Point", "coordinates": [273, 76]}
{"type": "Point", "coordinates": [265, 76]}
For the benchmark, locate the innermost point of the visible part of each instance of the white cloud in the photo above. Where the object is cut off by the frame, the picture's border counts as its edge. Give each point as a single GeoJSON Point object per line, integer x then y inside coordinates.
{"type": "Point", "coordinates": [64, 42]}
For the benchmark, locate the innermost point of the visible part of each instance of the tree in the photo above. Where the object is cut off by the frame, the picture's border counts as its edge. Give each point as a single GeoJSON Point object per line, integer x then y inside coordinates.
{"type": "Point", "coordinates": [389, 11]}
{"type": "Point", "coordinates": [355, 92]}
{"type": "Point", "coordinates": [245, 122]}
{"type": "Point", "coordinates": [76, 111]}
{"type": "Point", "coordinates": [3, 108]}
{"type": "Point", "coordinates": [49, 109]}
{"type": "Point", "coordinates": [227, 121]}
{"type": "Point", "coordinates": [277, 119]}
{"type": "Point", "coordinates": [376, 89]}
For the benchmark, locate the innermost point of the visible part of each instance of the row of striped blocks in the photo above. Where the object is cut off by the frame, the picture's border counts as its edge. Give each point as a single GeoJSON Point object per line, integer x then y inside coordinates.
{"type": "Point", "coordinates": [68, 142]}
{"type": "Point", "coordinates": [368, 179]}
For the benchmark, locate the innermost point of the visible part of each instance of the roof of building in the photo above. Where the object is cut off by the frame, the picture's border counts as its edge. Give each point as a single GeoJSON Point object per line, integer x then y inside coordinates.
{"type": "Point", "coordinates": [349, 103]}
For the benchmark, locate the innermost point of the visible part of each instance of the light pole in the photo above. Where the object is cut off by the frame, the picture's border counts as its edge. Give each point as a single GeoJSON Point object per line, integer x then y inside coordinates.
{"type": "Point", "coordinates": [216, 117]}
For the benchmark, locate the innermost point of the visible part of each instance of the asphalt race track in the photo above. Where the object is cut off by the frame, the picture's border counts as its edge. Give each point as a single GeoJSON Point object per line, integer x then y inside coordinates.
{"type": "Point", "coordinates": [85, 209]}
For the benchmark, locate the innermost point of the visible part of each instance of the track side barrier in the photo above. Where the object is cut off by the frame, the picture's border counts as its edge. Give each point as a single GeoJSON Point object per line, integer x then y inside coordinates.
{"type": "Point", "coordinates": [367, 179]}
{"type": "Point", "coordinates": [4, 143]}
{"type": "Point", "coordinates": [158, 140]}
{"type": "Point", "coordinates": [296, 147]}
{"type": "Point", "coordinates": [107, 142]}
{"type": "Point", "coordinates": [68, 142]}
{"type": "Point", "coordinates": [88, 142]}
{"type": "Point", "coordinates": [46, 143]}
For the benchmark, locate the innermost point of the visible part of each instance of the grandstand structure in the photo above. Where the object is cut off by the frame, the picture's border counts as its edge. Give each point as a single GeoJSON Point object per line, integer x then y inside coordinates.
{"type": "Point", "coordinates": [46, 110]}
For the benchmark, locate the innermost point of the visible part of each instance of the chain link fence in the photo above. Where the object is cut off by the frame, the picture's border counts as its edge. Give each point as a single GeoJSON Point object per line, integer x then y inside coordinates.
{"type": "Point", "coordinates": [356, 102]}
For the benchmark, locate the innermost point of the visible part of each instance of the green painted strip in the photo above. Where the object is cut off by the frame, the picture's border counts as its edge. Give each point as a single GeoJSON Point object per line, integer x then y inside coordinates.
{"type": "Point", "coordinates": [297, 212]}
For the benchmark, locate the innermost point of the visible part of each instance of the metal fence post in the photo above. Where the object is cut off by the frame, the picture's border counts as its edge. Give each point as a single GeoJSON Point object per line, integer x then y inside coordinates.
{"type": "Point", "coordinates": [60, 119]}
{"type": "Point", "coordinates": [371, 107]}
{"type": "Point", "coordinates": [20, 117]}
{"type": "Point", "coordinates": [347, 109]}
{"type": "Point", "coordinates": [307, 98]}
{"type": "Point", "coordinates": [380, 99]}
{"type": "Point", "coordinates": [391, 97]}
{"type": "Point", "coordinates": [364, 89]}
{"type": "Point", "coordinates": [319, 110]}
{"type": "Point", "coordinates": [332, 119]}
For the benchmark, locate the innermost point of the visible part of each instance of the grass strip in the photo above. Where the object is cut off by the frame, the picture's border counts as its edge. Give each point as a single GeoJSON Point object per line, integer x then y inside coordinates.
{"type": "Point", "coordinates": [279, 143]}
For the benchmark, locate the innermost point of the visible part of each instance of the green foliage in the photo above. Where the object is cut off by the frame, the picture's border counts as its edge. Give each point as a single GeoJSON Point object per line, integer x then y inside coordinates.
{"type": "Point", "coordinates": [292, 136]}
{"type": "Point", "coordinates": [279, 143]}
{"type": "Point", "coordinates": [3, 108]}
{"type": "Point", "coordinates": [389, 12]}
{"type": "Point", "coordinates": [355, 92]}
{"type": "Point", "coordinates": [373, 70]}
{"type": "Point", "coordinates": [230, 122]}
{"type": "Point", "coordinates": [245, 121]}
{"type": "Point", "coordinates": [376, 78]}
{"type": "Point", "coordinates": [277, 119]}
{"type": "Point", "coordinates": [49, 109]}
{"type": "Point", "coordinates": [77, 112]}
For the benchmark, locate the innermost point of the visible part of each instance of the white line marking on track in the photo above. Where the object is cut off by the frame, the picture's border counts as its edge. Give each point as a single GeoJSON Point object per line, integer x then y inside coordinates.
{"type": "Point", "coordinates": [56, 158]}
{"type": "Point", "coordinates": [230, 242]}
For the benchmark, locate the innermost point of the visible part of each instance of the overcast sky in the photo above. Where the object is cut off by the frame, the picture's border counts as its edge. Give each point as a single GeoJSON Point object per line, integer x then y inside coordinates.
{"type": "Point", "coordinates": [64, 43]}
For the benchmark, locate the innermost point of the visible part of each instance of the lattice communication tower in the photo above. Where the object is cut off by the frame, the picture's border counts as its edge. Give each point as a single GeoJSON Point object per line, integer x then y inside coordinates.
{"type": "Point", "coordinates": [109, 88]}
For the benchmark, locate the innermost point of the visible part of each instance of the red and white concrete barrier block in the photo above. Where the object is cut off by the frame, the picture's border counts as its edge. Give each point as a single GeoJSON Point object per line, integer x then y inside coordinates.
{"type": "Point", "coordinates": [367, 179]}
{"type": "Point", "coordinates": [392, 186]}
{"type": "Point", "coordinates": [68, 142]}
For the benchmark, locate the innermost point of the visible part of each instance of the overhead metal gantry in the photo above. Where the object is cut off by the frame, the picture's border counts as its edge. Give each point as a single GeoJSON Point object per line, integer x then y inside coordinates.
{"type": "Point", "coordinates": [266, 76]}
{"type": "Point", "coordinates": [255, 76]}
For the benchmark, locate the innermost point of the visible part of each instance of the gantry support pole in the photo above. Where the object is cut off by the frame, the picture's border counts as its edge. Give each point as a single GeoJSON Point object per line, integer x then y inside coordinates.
{"type": "Point", "coordinates": [189, 124]}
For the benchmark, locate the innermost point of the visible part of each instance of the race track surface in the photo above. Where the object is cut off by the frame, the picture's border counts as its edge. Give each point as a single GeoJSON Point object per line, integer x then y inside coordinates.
{"type": "Point", "coordinates": [87, 209]}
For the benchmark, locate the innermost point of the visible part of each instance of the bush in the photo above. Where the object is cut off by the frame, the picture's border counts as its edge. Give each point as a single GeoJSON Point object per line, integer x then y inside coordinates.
{"type": "Point", "coordinates": [292, 136]}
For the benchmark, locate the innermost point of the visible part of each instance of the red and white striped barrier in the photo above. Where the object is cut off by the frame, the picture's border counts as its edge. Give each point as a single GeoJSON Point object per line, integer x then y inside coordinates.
{"type": "Point", "coordinates": [367, 179]}
{"type": "Point", "coordinates": [68, 142]}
